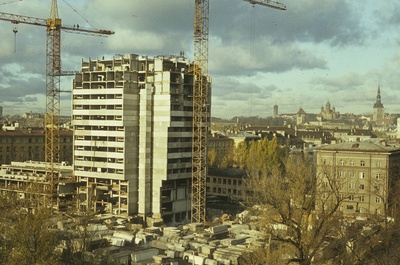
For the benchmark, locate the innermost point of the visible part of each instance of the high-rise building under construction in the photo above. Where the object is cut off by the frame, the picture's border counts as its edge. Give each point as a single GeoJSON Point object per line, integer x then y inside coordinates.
{"type": "Point", "coordinates": [132, 119]}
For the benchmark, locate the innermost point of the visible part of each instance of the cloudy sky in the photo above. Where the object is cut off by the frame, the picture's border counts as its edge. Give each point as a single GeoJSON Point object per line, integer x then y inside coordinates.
{"type": "Point", "coordinates": [315, 51]}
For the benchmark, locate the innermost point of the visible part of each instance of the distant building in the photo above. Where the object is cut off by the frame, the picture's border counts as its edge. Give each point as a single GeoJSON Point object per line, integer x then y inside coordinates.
{"type": "Point", "coordinates": [353, 135]}
{"type": "Point", "coordinates": [301, 116]}
{"type": "Point", "coordinates": [360, 174]}
{"type": "Point", "coordinates": [242, 136]}
{"type": "Point", "coordinates": [378, 111]}
{"type": "Point", "coordinates": [1, 111]}
{"type": "Point", "coordinates": [293, 137]}
{"type": "Point", "coordinates": [31, 115]}
{"type": "Point", "coordinates": [276, 113]}
{"type": "Point", "coordinates": [328, 113]}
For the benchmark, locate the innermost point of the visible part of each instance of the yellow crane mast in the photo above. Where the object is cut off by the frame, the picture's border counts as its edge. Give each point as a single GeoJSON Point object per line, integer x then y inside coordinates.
{"type": "Point", "coordinates": [201, 100]}
{"type": "Point", "coordinates": [53, 72]}
{"type": "Point", "coordinates": [201, 104]}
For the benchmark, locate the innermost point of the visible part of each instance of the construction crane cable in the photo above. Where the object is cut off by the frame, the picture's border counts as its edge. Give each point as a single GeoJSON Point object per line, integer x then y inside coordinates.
{"type": "Point", "coordinates": [251, 64]}
{"type": "Point", "coordinates": [15, 30]}
{"type": "Point", "coordinates": [76, 11]}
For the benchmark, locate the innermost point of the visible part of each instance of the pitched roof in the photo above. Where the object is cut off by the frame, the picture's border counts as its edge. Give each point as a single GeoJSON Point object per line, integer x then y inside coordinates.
{"type": "Point", "coordinates": [301, 111]}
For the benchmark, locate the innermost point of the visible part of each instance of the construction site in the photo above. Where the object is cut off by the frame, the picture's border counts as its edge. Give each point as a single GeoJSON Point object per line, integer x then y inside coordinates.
{"type": "Point", "coordinates": [140, 126]}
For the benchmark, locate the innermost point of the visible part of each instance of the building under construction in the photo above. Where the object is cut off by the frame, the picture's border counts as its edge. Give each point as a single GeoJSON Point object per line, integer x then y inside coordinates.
{"type": "Point", "coordinates": [27, 180]}
{"type": "Point", "coordinates": [132, 120]}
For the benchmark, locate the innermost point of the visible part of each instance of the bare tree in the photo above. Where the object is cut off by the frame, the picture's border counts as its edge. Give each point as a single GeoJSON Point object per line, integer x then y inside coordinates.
{"type": "Point", "coordinates": [377, 239]}
{"type": "Point", "coordinates": [27, 233]}
{"type": "Point", "coordinates": [34, 239]}
{"type": "Point", "coordinates": [78, 241]}
{"type": "Point", "coordinates": [286, 192]}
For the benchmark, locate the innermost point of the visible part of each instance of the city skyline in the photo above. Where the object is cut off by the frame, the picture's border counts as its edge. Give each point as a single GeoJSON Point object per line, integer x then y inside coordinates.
{"type": "Point", "coordinates": [315, 51]}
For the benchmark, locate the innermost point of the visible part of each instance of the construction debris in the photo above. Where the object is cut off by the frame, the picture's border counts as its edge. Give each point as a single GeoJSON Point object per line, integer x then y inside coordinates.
{"type": "Point", "coordinates": [193, 243]}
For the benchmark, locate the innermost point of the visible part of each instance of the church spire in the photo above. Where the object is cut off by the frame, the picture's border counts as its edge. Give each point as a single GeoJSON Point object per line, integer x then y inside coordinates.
{"type": "Point", "coordinates": [378, 103]}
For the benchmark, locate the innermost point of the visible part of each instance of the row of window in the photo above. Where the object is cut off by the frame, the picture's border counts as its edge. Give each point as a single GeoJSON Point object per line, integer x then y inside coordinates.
{"type": "Point", "coordinates": [98, 117]}
{"type": "Point", "coordinates": [97, 107]}
{"type": "Point", "coordinates": [98, 96]}
{"type": "Point", "coordinates": [225, 181]}
{"type": "Point", "coordinates": [352, 186]}
{"type": "Point", "coordinates": [361, 210]}
{"type": "Point", "coordinates": [99, 149]}
{"type": "Point", "coordinates": [99, 170]}
{"type": "Point", "coordinates": [38, 140]}
{"type": "Point", "coordinates": [362, 175]}
{"type": "Point", "coordinates": [180, 160]}
{"type": "Point", "coordinates": [21, 140]}
{"type": "Point", "coordinates": [361, 163]}
{"type": "Point", "coordinates": [99, 138]}
{"type": "Point", "coordinates": [224, 191]}
{"type": "Point", "coordinates": [360, 198]}
{"type": "Point", "coordinates": [179, 171]}
{"type": "Point", "coordinates": [99, 128]}
{"type": "Point", "coordinates": [23, 148]}
{"type": "Point", "coordinates": [99, 159]}
{"type": "Point", "coordinates": [27, 148]}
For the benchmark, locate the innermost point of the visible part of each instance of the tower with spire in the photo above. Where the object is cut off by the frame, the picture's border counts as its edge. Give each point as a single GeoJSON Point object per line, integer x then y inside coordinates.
{"type": "Point", "coordinates": [378, 111]}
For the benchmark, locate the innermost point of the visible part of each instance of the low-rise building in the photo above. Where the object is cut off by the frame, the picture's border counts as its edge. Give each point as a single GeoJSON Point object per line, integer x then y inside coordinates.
{"type": "Point", "coordinates": [28, 180]}
{"type": "Point", "coordinates": [353, 135]}
{"type": "Point", "coordinates": [227, 182]}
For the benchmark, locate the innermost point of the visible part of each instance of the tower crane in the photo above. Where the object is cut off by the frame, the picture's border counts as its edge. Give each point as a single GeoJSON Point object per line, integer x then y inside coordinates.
{"type": "Point", "coordinates": [201, 104]}
{"type": "Point", "coordinates": [53, 27]}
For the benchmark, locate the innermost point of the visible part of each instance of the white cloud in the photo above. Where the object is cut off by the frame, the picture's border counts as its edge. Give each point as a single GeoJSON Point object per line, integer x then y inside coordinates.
{"type": "Point", "coordinates": [314, 51]}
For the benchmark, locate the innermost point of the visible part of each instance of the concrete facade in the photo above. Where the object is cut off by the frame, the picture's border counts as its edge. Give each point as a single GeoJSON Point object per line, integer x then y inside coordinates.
{"type": "Point", "coordinates": [132, 120]}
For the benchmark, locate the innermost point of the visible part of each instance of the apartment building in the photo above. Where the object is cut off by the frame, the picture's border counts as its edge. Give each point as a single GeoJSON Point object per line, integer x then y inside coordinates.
{"type": "Point", "coordinates": [132, 120]}
{"type": "Point", "coordinates": [19, 145]}
{"type": "Point", "coordinates": [222, 145]}
{"type": "Point", "coordinates": [360, 174]}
